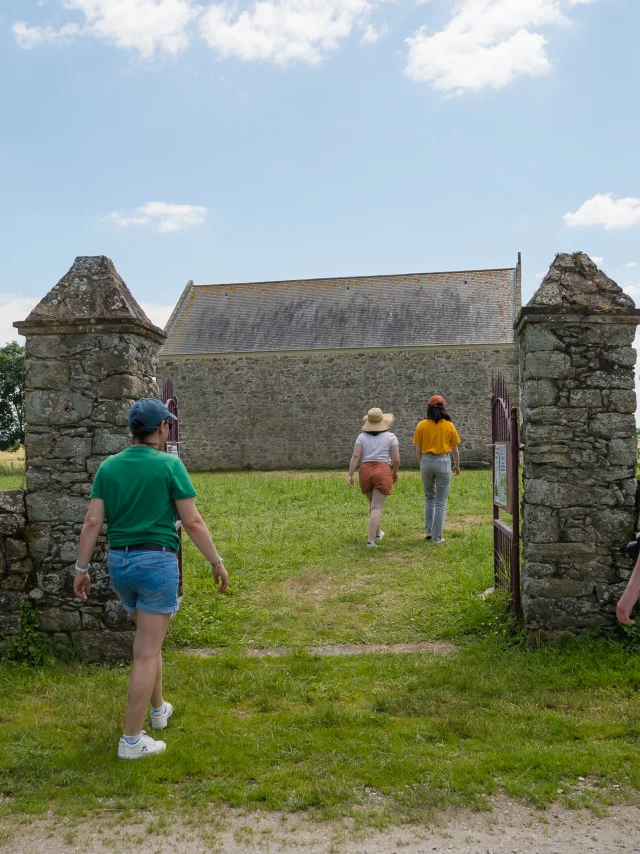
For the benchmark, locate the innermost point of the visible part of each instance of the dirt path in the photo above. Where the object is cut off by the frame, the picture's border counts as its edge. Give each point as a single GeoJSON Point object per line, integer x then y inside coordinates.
{"type": "Point", "coordinates": [337, 649]}
{"type": "Point", "coordinates": [510, 828]}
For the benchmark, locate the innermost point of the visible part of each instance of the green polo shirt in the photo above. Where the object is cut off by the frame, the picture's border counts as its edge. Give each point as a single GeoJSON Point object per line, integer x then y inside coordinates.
{"type": "Point", "coordinates": [139, 487]}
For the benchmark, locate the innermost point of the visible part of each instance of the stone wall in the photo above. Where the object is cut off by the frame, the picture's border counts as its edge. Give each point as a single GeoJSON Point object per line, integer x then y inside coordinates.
{"type": "Point", "coordinates": [304, 410]}
{"type": "Point", "coordinates": [90, 353]}
{"type": "Point", "coordinates": [578, 406]}
{"type": "Point", "coordinates": [15, 565]}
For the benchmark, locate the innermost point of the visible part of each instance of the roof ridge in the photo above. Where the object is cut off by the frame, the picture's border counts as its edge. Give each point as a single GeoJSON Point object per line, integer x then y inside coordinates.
{"type": "Point", "coordinates": [351, 278]}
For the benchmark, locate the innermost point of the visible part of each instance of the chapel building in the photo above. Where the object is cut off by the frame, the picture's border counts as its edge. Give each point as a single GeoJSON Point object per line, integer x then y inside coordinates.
{"type": "Point", "coordinates": [278, 375]}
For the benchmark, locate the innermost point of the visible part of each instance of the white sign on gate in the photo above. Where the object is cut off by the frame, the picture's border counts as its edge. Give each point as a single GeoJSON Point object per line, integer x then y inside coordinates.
{"type": "Point", "coordinates": [500, 483]}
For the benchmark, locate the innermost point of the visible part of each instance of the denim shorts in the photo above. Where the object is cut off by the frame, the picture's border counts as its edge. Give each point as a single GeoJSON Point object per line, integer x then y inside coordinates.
{"type": "Point", "coordinates": [145, 581]}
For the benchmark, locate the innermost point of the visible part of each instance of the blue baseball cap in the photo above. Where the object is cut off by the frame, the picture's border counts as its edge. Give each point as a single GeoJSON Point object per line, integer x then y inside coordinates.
{"type": "Point", "coordinates": [150, 412]}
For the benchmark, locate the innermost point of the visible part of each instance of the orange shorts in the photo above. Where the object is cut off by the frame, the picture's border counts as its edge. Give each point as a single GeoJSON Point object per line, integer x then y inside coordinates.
{"type": "Point", "coordinates": [376, 476]}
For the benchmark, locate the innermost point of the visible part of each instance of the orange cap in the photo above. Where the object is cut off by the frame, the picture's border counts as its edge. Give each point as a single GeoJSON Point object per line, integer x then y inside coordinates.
{"type": "Point", "coordinates": [437, 400]}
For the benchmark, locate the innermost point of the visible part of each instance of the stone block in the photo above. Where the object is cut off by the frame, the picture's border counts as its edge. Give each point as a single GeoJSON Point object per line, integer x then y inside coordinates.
{"type": "Point", "coordinates": [10, 600]}
{"type": "Point", "coordinates": [546, 365]}
{"type": "Point", "coordinates": [557, 588]}
{"type": "Point", "coordinates": [622, 401]}
{"type": "Point", "coordinates": [51, 408]}
{"type": "Point", "coordinates": [556, 455]}
{"type": "Point", "coordinates": [46, 374]}
{"type": "Point", "coordinates": [603, 379]}
{"type": "Point", "coordinates": [23, 567]}
{"type": "Point", "coordinates": [13, 582]}
{"type": "Point", "coordinates": [114, 616]}
{"type": "Point", "coordinates": [538, 393]}
{"type": "Point", "coordinates": [11, 524]}
{"type": "Point", "coordinates": [585, 397]}
{"type": "Point", "coordinates": [10, 625]}
{"type": "Point", "coordinates": [555, 415]}
{"type": "Point", "coordinates": [15, 549]}
{"type": "Point", "coordinates": [550, 494]}
{"type": "Point", "coordinates": [122, 386]}
{"type": "Point", "coordinates": [72, 446]}
{"type": "Point", "coordinates": [558, 552]}
{"type": "Point", "coordinates": [612, 425]}
{"type": "Point", "coordinates": [69, 550]}
{"type": "Point", "coordinates": [625, 356]}
{"type": "Point", "coordinates": [95, 647]}
{"type": "Point", "coordinates": [538, 337]}
{"type": "Point", "coordinates": [622, 451]}
{"type": "Point", "coordinates": [39, 541]}
{"type": "Point", "coordinates": [50, 506]}
{"type": "Point", "coordinates": [38, 444]}
{"type": "Point", "coordinates": [58, 620]}
{"type": "Point", "coordinates": [12, 501]}
{"type": "Point", "coordinates": [542, 524]}
{"type": "Point", "coordinates": [107, 442]}
{"type": "Point", "coordinates": [45, 346]}
{"type": "Point", "coordinates": [113, 412]}
{"type": "Point", "coordinates": [89, 622]}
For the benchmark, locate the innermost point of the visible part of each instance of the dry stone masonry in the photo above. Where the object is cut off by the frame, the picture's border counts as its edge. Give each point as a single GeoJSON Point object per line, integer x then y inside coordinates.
{"type": "Point", "coordinates": [16, 566]}
{"type": "Point", "coordinates": [578, 404]}
{"type": "Point", "coordinates": [90, 353]}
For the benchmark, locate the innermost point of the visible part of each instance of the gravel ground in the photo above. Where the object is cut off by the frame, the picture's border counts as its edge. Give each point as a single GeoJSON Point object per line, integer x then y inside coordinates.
{"type": "Point", "coordinates": [510, 828]}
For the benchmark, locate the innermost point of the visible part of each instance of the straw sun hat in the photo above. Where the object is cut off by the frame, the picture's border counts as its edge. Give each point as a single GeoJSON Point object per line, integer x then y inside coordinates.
{"type": "Point", "coordinates": [376, 420]}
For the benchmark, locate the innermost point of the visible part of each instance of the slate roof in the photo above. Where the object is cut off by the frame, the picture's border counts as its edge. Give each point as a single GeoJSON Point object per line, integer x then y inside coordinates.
{"type": "Point", "coordinates": [472, 307]}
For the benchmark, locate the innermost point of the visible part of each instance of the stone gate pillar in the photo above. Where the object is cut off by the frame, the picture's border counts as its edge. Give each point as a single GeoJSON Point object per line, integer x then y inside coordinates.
{"type": "Point", "coordinates": [90, 353]}
{"type": "Point", "coordinates": [578, 407]}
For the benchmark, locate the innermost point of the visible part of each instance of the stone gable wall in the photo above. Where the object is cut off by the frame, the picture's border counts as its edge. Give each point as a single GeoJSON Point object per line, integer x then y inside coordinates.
{"type": "Point", "coordinates": [304, 410]}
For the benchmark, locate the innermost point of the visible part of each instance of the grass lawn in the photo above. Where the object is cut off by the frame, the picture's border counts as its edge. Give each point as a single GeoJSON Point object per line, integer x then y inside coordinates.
{"type": "Point", "coordinates": [382, 738]}
{"type": "Point", "coordinates": [11, 470]}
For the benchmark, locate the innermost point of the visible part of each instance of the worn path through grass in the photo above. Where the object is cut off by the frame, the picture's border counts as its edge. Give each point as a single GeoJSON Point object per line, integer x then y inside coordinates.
{"type": "Point", "coordinates": [294, 545]}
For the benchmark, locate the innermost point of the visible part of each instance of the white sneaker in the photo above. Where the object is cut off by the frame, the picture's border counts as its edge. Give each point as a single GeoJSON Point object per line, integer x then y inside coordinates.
{"type": "Point", "coordinates": [437, 542]}
{"type": "Point", "coordinates": [144, 746]}
{"type": "Point", "coordinates": [379, 535]}
{"type": "Point", "coordinates": [159, 719]}
{"type": "Point", "coordinates": [372, 545]}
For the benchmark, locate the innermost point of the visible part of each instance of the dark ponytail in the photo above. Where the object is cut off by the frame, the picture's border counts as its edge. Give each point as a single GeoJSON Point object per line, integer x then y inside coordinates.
{"type": "Point", "coordinates": [437, 413]}
{"type": "Point", "coordinates": [140, 433]}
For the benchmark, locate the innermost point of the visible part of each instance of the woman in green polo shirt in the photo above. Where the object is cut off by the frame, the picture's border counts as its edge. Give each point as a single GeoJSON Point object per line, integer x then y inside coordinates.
{"type": "Point", "coordinates": [140, 493]}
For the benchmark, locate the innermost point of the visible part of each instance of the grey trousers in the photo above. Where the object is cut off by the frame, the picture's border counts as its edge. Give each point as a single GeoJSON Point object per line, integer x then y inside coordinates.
{"type": "Point", "coordinates": [436, 479]}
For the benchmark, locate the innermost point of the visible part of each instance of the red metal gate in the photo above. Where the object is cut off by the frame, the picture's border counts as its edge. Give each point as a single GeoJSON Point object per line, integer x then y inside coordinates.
{"type": "Point", "coordinates": [173, 447]}
{"type": "Point", "coordinates": [506, 492]}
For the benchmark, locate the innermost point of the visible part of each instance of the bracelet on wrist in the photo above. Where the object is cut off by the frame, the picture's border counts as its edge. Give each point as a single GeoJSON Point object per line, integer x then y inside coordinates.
{"type": "Point", "coordinates": [216, 564]}
{"type": "Point", "coordinates": [79, 568]}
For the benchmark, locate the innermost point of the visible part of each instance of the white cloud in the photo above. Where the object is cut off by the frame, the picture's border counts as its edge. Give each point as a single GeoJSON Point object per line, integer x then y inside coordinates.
{"type": "Point", "coordinates": [157, 314]}
{"type": "Point", "coordinates": [373, 34]}
{"type": "Point", "coordinates": [486, 43]}
{"type": "Point", "coordinates": [28, 37]}
{"type": "Point", "coordinates": [13, 307]}
{"type": "Point", "coordinates": [604, 210]}
{"type": "Point", "coordinates": [283, 31]}
{"type": "Point", "coordinates": [161, 216]}
{"type": "Point", "coordinates": [597, 259]}
{"type": "Point", "coordinates": [633, 289]}
{"type": "Point", "coordinates": [631, 264]}
{"type": "Point", "coordinates": [143, 25]}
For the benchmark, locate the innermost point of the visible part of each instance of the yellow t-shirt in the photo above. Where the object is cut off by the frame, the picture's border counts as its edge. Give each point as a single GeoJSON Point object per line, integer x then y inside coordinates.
{"type": "Point", "coordinates": [435, 438]}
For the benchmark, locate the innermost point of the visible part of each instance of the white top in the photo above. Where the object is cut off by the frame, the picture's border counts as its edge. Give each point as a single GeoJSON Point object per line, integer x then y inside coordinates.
{"type": "Point", "coordinates": [377, 449]}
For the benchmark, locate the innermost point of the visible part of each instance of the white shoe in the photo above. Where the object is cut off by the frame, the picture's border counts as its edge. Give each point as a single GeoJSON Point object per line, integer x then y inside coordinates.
{"type": "Point", "coordinates": [159, 720]}
{"type": "Point", "coordinates": [437, 542]}
{"type": "Point", "coordinates": [372, 545]}
{"type": "Point", "coordinates": [144, 746]}
{"type": "Point", "coordinates": [379, 535]}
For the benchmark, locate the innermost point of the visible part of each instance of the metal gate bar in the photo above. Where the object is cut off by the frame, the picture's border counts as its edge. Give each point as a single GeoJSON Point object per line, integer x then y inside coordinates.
{"type": "Point", "coordinates": [506, 492]}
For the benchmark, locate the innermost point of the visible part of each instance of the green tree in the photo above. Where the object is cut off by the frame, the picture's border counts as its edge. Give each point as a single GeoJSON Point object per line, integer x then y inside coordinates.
{"type": "Point", "coordinates": [11, 396]}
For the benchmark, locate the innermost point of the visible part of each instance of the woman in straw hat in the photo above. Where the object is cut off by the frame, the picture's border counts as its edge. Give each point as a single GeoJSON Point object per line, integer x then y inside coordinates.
{"type": "Point", "coordinates": [436, 441]}
{"type": "Point", "coordinates": [379, 454]}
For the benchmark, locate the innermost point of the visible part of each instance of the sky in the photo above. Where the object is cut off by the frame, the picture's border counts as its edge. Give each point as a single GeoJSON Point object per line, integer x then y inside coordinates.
{"type": "Point", "coordinates": [238, 141]}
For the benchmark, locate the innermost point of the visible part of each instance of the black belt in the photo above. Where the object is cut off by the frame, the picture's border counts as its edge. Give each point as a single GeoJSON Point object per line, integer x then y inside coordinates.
{"type": "Point", "coordinates": [143, 547]}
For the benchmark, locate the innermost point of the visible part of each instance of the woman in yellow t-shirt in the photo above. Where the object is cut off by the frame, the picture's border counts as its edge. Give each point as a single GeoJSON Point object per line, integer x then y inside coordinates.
{"type": "Point", "coordinates": [436, 441]}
